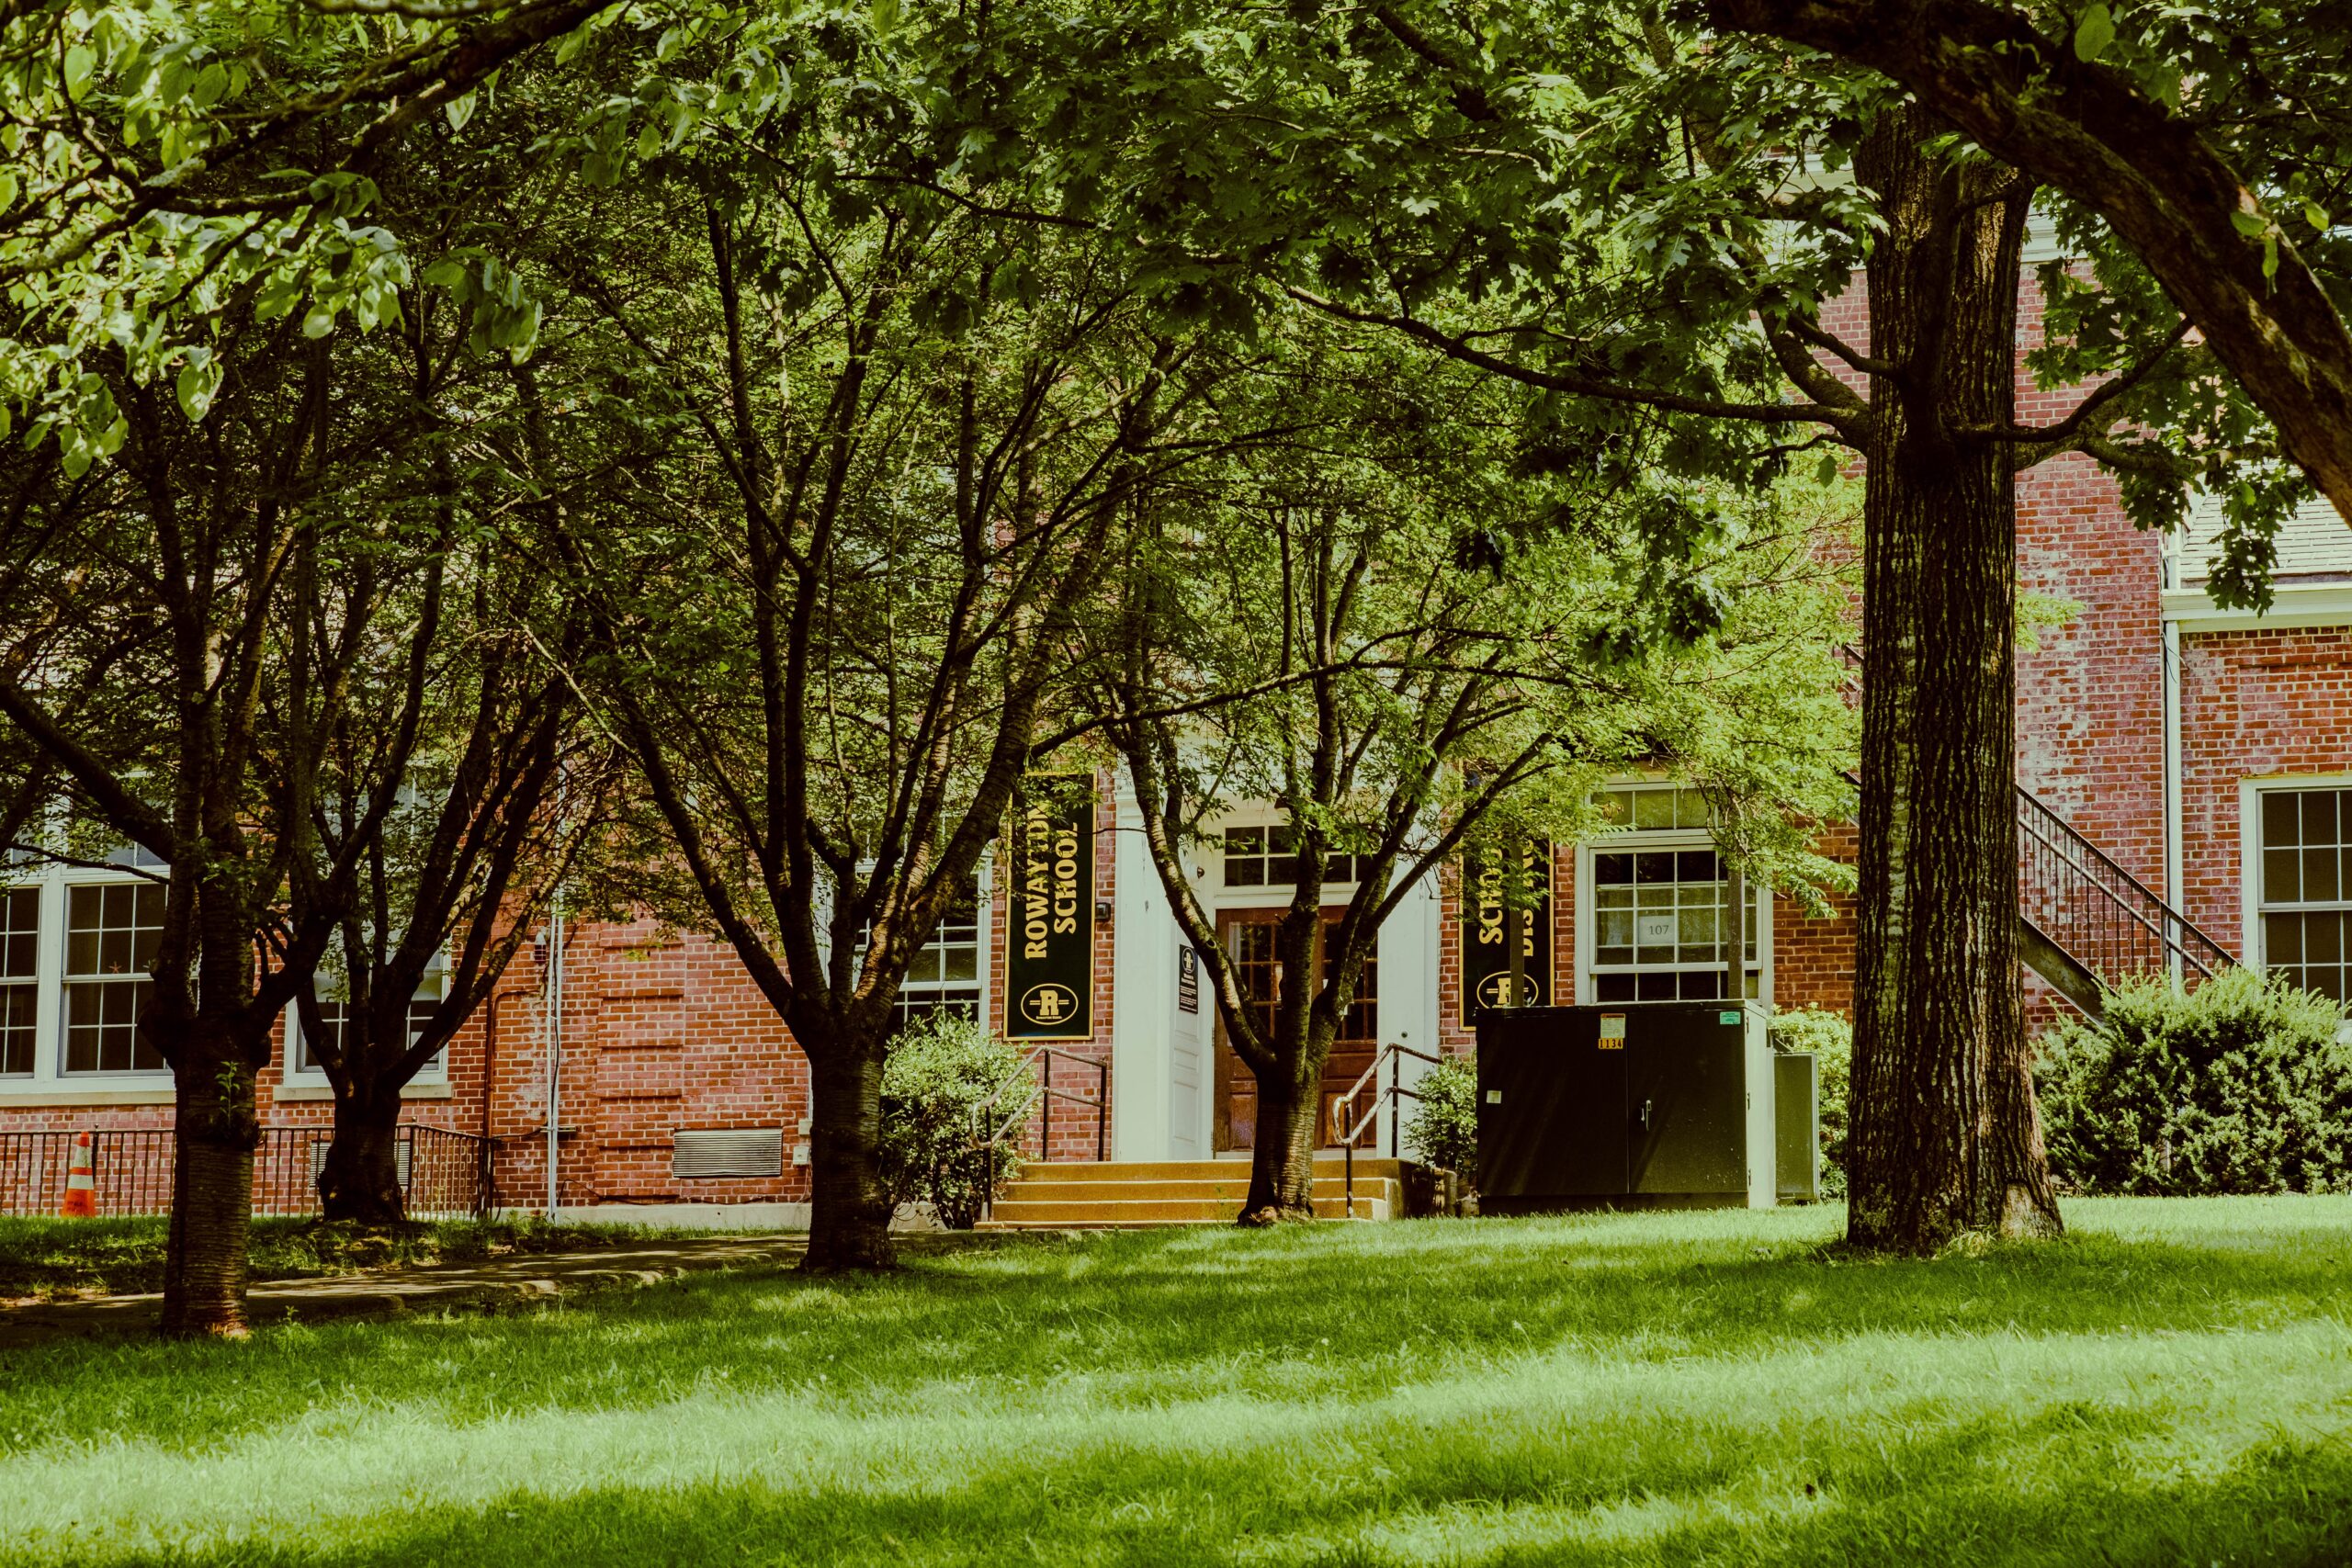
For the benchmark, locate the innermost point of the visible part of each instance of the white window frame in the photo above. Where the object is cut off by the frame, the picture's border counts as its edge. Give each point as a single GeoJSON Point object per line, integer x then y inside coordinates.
{"type": "Point", "coordinates": [1220, 895]}
{"type": "Point", "coordinates": [1627, 840]}
{"type": "Point", "coordinates": [49, 1083]}
{"type": "Point", "coordinates": [2250, 797]}
{"type": "Point", "coordinates": [298, 1079]}
{"type": "Point", "coordinates": [983, 914]}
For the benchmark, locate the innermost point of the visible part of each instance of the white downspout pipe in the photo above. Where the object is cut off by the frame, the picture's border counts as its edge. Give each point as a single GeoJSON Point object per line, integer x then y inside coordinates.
{"type": "Point", "coordinates": [2175, 882]}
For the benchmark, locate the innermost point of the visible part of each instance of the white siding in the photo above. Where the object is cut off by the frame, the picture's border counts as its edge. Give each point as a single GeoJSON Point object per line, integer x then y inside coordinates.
{"type": "Point", "coordinates": [2313, 543]}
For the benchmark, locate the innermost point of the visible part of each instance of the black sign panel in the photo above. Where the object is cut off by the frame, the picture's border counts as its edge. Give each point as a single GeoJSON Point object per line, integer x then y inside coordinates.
{"type": "Point", "coordinates": [1485, 961]}
{"type": "Point", "coordinates": [1188, 980]}
{"type": "Point", "coordinates": [1049, 911]}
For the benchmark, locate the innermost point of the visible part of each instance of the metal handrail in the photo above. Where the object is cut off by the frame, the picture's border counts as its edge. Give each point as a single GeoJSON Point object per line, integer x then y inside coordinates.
{"type": "Point", "coordinates": [1348, 1129]}
{"type": "Point", "coordinates": [1042, 1089]}
{"type": "Point", "coordinates": [2089, 866]}
{"type": "Point", "coordinates": [2085, 869]}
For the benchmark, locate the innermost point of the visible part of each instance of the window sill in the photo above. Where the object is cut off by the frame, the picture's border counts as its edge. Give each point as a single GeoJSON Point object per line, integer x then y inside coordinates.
{"type": "Point", "coordinates": [49, 1093]}
{"type": "Point", "coordinates": [298, 1092]}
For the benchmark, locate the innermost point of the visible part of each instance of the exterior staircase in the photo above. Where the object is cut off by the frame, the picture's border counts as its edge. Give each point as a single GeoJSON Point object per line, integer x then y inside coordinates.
{"type": "Point", "coordinates": [2083, 921]}
{"type": "Point", "coordinates": [1111, 1195]}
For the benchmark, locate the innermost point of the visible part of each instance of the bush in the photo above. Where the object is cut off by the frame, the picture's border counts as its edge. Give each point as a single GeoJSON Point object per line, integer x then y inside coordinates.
{"type": "Point", "coordinates": [1444, 1123]}
{"type": "Point", "coordinates": [2240, 1086]}
{"type": "Point", "coordinates": [1830, 1038]}
{"type": "Point", "coordinates": [942, 1066]}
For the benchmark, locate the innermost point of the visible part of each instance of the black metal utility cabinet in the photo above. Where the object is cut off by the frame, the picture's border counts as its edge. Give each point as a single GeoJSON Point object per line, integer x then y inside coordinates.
{"type": "Point", "coordinates": [1660, 1104]}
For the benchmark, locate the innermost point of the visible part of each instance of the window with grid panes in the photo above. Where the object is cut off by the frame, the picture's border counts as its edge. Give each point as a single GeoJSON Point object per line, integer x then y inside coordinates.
{"type": "Point", "coordinates": [112, 930]}
{"type": "Point", "coordinates": [2306, 888]}
{"type": "Point", "coordinates": [1254, 963]}
{"type": "Point", "coordinates": [947, 973]}
{"type": "Point", "coordinates": [335, 1016]}
{"type": "Point", "coordinates": [1268, 857]}
{"type": "Point", "coordinates": [19, 977]}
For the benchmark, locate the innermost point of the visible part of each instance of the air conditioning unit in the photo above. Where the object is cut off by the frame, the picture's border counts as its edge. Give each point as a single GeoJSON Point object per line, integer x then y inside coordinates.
{"type": "Point", "coordinates": [698, 1153]}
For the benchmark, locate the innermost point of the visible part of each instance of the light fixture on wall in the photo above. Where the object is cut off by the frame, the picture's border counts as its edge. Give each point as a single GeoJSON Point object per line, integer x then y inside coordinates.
{"type": "Point", "coordinates": [1102, 908]}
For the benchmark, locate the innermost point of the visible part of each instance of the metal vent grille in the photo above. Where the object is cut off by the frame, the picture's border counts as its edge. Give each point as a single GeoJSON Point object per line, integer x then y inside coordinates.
{"type": "Point", "coordinates": [736, 1151]}
{"type": "Point", "coordinates": [399, 1160]}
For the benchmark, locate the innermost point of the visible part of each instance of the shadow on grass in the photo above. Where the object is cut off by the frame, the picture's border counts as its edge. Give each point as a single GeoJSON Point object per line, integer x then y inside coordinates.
{"type": "Point", "coordinates": [1354, 1310]}
{"type": "Point", "coordinates": [2055, 1489]}
{"type": "Point", "coordinates": [1624, 1389]}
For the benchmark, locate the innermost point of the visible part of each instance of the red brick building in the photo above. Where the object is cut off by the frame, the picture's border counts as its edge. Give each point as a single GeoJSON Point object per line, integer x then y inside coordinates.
{"type": "Point", "coordinates": [2207, 754]}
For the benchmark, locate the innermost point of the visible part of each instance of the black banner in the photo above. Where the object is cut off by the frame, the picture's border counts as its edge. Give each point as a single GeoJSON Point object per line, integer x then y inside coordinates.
{"type": "Point", "coordinates": [1049, 911]}
{"type": "Point", "coordinates": [1485, 961]}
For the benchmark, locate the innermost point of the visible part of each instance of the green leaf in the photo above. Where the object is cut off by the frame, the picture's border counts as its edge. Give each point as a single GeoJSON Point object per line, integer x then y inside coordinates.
{"type": "Point", "coordinates": [2094, 30]}
{"type": "Point", "coordinates": [319, 323]}
{"type": "Point", "coordinates": [198, 381]}
{"type": "Point", "coordinates": [2250, 222]}
{"type": "Point", "coordinates": [7, 188]}
{"type": "Point", "coordinates": [458, 111]}
{"type": "Point", "coordinates": [886, 18]}
{"type": "Point", "coordinates": [2313, 214]}
{"type": "Point", "coordinates": [80, 61]}
{"type": "Point", "coordinates": [1826, 473]}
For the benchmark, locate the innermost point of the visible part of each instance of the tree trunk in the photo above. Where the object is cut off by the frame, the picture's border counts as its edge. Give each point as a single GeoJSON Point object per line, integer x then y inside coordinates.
{"type": "Point", "coordinates": [849, 1221]}
{"type": "Point", "coordinates": [1945, 1136]}
{"type": "Point", "coordinates": [360, 1181]}
{"type": "Point", "coordinates": [1282, 1159]}
{"type": "Point", "coordinates": [214, 1134]}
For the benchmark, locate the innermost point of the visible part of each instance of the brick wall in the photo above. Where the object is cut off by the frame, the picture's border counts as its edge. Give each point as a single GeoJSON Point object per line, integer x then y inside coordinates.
{"type": "Point", "coordinates": [2253, 705]}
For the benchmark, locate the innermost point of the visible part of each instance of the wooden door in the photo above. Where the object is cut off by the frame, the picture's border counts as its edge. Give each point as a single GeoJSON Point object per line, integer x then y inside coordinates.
{"type": "Point", "coordinates": [1248, 939]}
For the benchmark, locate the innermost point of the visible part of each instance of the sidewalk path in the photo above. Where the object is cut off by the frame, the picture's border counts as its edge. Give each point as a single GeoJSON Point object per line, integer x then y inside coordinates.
{"type": "Point", "coordinates": [520, 1277]}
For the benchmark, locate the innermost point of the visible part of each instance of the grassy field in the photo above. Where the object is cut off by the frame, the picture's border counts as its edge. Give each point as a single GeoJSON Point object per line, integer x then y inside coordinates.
{"type": "Point", "coordinates": [2171, 1384]}
{"type": "Point", "coordinates": [49, 1260]}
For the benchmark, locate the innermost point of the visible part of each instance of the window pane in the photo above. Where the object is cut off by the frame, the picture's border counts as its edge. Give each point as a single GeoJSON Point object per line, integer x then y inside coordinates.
{"type": "Point", "coordinates": [20, 932]}
{"type": "Point", "coordinates": [1653, 808]}
{"type": "Point", "coordinates": [1245, 840]}
{"type": "Point", "coordinates": [1613, 987]}
{"type": "Point", "coordinates": [2319, 816]}
{"type": "Point", "coordinates": [1656, 987]}
{"type": "Point", "coordinates": [2282, 939]}
{"type": "Point", "coordinates": [1241, 872]}
{"type": "Point", "coordinates": [1654, 866]}
{"type": "Point", "coordinates": [1613, 870]}
{"type": "Point", "coordinates": [2280, 819]}
{"type": "Point", "coordinates": [17, 1004]}
{"type": "Point", "coordinates": [2282, 881]}
{"type": "Point", "coordinates": [102, 1028]}
{"type": "Point", "coordinates": [1697, 865]}
{"type": "Point", "coordinates": [2320, 885]}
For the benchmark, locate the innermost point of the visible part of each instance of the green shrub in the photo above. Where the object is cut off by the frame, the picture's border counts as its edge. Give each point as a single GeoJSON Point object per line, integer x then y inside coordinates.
{"type": "Point", "coordinates": [1830, 1038]}
{"type": "Point", "coordinates": [942, 1066]}
{"type": "Point", "coordinates": [1443, 1128]}
{"type": "Point", "coordinates": [2240, 1086]}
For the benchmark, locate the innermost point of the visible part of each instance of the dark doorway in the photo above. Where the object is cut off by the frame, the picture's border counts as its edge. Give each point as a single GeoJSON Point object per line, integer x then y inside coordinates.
{"type": "Point", "coordinates": [1248, 938]}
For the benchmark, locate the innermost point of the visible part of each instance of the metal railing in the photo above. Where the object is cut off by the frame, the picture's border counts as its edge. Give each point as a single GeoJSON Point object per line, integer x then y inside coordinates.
{"type": "Point", "coordinates": [443, 1174]}
{"type": "Point", "coordinates": [991, 1119]}
{"type": "Point", "coordinates": [1348, 1128]}
{"type": "Point", "coordinates": [2098, 913]}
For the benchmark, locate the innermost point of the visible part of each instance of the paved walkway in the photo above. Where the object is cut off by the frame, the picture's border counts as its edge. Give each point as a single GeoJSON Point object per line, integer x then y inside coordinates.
{"type": "Point", "coordinates": [521, 1278]}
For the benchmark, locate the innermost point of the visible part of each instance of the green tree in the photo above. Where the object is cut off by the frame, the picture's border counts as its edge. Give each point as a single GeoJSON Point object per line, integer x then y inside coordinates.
{"type": "Point", "coordinates": [2210, 138]}
{"type": "Point", "coordinates": [1414, 620]}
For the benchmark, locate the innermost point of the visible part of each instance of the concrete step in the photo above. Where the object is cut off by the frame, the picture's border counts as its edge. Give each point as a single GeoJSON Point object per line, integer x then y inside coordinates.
{"type": "Point", "coordinates": [1049, 1189]}
{"type": "Point", "coordinates": [1193, 1170]}
{"type": "Point", "coordinates": [1013, 1214]}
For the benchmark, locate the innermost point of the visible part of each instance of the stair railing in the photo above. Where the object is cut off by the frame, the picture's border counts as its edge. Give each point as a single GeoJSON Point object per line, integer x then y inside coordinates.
{"type": "Point", "coordinates": [1348, 1129]}
{"type": "Point", "coordinates": [2098, 913]}
{"type": "Point", "coordinates": [2092, 910]}
{"type": "Point", "coordinates": [1035, 1074]}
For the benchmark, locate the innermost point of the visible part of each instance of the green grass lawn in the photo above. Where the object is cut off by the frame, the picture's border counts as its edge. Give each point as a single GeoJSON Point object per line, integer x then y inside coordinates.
{"type": "Point", "coordinates": [2171, 1384]}
{"type": "Point", "coordinates": [50, 1259]}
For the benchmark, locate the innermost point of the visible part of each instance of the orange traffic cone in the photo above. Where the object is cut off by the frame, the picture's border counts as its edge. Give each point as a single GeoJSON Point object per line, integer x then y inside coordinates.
{"type": "Point", "coordinates": [81, 1184]}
